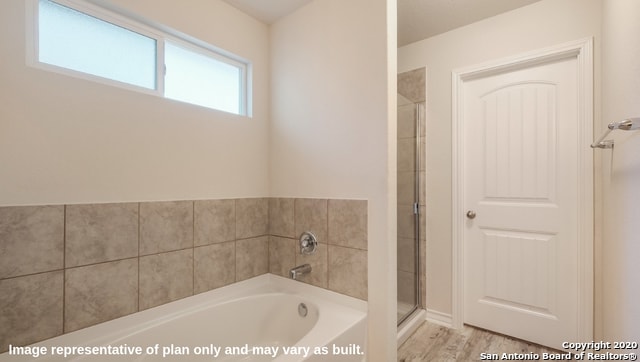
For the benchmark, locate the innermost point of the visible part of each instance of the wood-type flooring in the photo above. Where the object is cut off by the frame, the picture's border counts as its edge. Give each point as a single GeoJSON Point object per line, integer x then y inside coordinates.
{"type": "Point", "coordinates": [432, 342]}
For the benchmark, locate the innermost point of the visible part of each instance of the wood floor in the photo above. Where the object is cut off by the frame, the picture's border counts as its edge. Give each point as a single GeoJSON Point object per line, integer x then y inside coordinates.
{"type": "Point", "coordinates": [432, 342]}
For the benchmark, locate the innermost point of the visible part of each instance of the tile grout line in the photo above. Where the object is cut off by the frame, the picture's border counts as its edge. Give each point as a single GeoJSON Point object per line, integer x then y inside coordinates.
{"type": "Point", "coordinates": [32, 274]}
{"type": "Point", "coordinates": [295, 246]}
{"type": "Point", "coordinates": [100, 263]}
{"type": "Point", "coordinates": [138, 257]}
{"type": "Point", "coordinates": [193, 248]}
{"type": "Point", "coordinates": [235, 240]}
{"type": "Point", "coordinates": [327, 261]}
{"type": "Point", "coordinates": [64, 267]}
{"type": "Point", "coordinates": [268, 234]}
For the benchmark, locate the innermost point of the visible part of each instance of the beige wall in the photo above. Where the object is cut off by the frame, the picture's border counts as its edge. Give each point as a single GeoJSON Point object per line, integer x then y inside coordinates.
{"type": "Point", "coordinates": [333, 92]}
{"type": "Point", "coordinates": [65, 140]}
{"type": "Point", "coordinates": [543, 24]}
{"type": "Point", "coordinates": [621, 172]}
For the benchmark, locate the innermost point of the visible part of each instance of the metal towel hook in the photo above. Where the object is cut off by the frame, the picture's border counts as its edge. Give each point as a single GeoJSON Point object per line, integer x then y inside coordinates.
{"type": "Point", "coordinates": [629, 124]}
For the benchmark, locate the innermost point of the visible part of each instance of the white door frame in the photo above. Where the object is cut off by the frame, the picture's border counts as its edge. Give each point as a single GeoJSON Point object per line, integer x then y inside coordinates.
{"type": "Point", "coordinates": [582, 50]}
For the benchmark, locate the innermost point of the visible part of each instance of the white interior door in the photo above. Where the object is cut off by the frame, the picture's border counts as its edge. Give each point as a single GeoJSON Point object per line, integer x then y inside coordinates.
{"type": "Point", "coordinates": [521, 174]}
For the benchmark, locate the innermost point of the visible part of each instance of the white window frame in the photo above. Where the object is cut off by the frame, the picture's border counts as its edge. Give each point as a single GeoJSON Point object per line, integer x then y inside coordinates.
{"type": "Point", "coordinates": [206, 51]}
{"type": "Point", "coordinates": [159, 33]}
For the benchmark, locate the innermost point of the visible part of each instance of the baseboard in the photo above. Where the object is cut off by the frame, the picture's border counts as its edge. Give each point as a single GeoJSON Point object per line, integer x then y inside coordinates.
{"type": "Point", "coordinates": [439, 318]}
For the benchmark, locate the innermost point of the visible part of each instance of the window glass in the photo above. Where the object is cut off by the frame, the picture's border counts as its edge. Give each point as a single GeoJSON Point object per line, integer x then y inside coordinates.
{"type": "Point", "coordinates": [200, 79]}
{"type": "Point", "coordinates": [94, 41]}
{"type": "Point", "coordinates": [70, 39]}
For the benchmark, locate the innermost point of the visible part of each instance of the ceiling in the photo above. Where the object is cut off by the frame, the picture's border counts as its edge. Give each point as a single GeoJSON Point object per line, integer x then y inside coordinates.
{"type": "Point", "coordinates": [421, 19]}
{"type": "Point", "coordinates": [268, 11]}
{"type": "Point", "coordinates": [417, 19]}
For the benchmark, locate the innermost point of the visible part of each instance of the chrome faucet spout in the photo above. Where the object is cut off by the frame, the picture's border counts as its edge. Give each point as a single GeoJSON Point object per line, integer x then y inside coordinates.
{"type": "Point", "coordinates": [299, 270]}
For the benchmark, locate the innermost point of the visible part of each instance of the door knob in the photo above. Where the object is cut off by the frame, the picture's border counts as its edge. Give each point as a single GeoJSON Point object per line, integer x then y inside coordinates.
{"type": "Point", "coordinates": [471, 214]}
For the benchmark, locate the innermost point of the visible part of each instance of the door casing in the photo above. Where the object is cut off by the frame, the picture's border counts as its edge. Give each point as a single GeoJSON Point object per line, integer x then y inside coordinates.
{"type": "Point", "coordinates": [582, 51]}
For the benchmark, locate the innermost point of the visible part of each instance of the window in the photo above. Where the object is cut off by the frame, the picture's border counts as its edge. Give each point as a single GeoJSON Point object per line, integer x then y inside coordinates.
{"type": "Point", "coordinates": [201, 79]}
{"type": "Point", "coordinates": [80, 39]}
{"type": "Point", "coordinates": [70, 39]}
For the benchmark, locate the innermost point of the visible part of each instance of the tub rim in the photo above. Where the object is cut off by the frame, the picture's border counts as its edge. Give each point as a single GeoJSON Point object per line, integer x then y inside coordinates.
{"type": "Point", "coordinates": [113, 331]}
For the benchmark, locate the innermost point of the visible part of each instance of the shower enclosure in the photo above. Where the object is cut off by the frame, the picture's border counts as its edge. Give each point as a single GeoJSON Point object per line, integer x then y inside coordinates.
{"type": "Point", "coordinates": [411, 172]}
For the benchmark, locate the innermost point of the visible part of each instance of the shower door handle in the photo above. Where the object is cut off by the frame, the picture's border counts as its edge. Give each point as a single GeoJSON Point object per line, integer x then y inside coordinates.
{"type": "Point", "coordinates": [471, 214]}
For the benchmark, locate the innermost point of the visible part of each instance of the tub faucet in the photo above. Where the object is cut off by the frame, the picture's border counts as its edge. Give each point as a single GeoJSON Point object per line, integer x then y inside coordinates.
{"type": "Point", "coordinates": [299, 270]}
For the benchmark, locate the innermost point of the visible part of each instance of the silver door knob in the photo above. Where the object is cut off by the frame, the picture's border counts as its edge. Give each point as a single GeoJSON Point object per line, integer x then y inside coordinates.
{"type": "Point", "coordinates": [471, 214]}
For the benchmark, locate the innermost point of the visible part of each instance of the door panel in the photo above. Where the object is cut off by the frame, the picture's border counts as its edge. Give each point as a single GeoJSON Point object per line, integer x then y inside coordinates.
{"type": "Point", "coordinates": [520, 179]}
{"type": "Point", "coordinates": [519, 156]}
{"type": "Point", "coordinates": [518, 270]}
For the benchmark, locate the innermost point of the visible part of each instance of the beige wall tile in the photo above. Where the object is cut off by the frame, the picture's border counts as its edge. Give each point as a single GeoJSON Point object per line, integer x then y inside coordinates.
{"type": "Point", "coordinates": [402, 100]}
{"type": "Point", "coordinates": [252, 217]}
{"type": "Point", "coordinates": [31, 239]}
{"type": "Point", "coordinates": [412, 84]}
{"type": "Point", "coordinates": [348, 271]}
{"type": "Point", "coordinates": [423, 224]}
{"type": "Point", "coordinates": [423, 147]}
{"type": "Point", "coordinates": [165, 277]}
{"type": "Point", "coordinates": [214, 221]}
{"type": "Point", "coordinates": [406, 254]}
{"type": "Point", "coordinates": [406, 154]}
{"type": "Point", "coordinates": [311, 215]}
{"type": "Point", "coordinates": [423, 273]}
{"type": "Point", "coordinates": [406, 187]}
{"type": "Point", "coordinates": [281, 222]}
{"type": "Point", "coordinates": [319, 265]}
{"type": "Point", "coordinates": [101, 232]}
{"type": "Point", "coordinates": [282, 255]}
{"type": "Point", "coordinates": [214, 266]}
{"type": "Point", "coordinates": [252, 257]}
{"type": "Point", "coordinates": [406, 287]}
{"type": "Point", "coordinates": [406, 221]}
{"type": "Point", "coordinates": [423, 188]}
{"type": "Point", "coordinates": [30, 309]}
{"type": "Point", "coordinates": [165, 226]}
{"type": "Point", "coordinates": [406, 121]}
{"type": "Point", "coordinates": [423, 122]}
{"type": "Point", "coordinates": [101, 292]}
{"type": "Point", "coordinates": [348, 223]}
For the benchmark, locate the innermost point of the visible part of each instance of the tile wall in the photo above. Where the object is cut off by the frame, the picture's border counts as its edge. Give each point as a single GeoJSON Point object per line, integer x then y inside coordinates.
{"type": "Point", "coordinates": [63, 268]}
{"type": "Point", "coordinates": [340, 263]}
{"type": "Point", "coordinates": [411, 93]}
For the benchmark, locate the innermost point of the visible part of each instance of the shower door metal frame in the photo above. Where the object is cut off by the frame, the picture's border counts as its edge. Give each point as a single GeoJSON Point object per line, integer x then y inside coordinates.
{"type": "Point", "coordinates": [417, 117]}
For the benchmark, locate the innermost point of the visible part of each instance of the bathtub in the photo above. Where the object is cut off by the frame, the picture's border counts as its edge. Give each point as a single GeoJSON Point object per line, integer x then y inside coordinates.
{"type": "Point", "coordinates": [252, 320]}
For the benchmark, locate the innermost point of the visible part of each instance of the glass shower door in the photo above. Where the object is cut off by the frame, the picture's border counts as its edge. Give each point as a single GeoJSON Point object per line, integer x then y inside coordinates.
{"type": "Point", "coordinates": [408, 167]}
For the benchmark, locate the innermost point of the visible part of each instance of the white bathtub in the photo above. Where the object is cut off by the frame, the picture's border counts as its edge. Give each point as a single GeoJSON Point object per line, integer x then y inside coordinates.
{"type": "Point", "coordinates": [259, 312]}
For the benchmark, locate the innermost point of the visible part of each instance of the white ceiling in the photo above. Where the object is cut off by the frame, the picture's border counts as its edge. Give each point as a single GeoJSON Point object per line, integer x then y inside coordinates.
{"type": "Point", "coordinates": [417, 19]}
{"type": "Point", "coordinates": [267, 11]}
{"type": "Point", "coordinates": [421, 19]}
